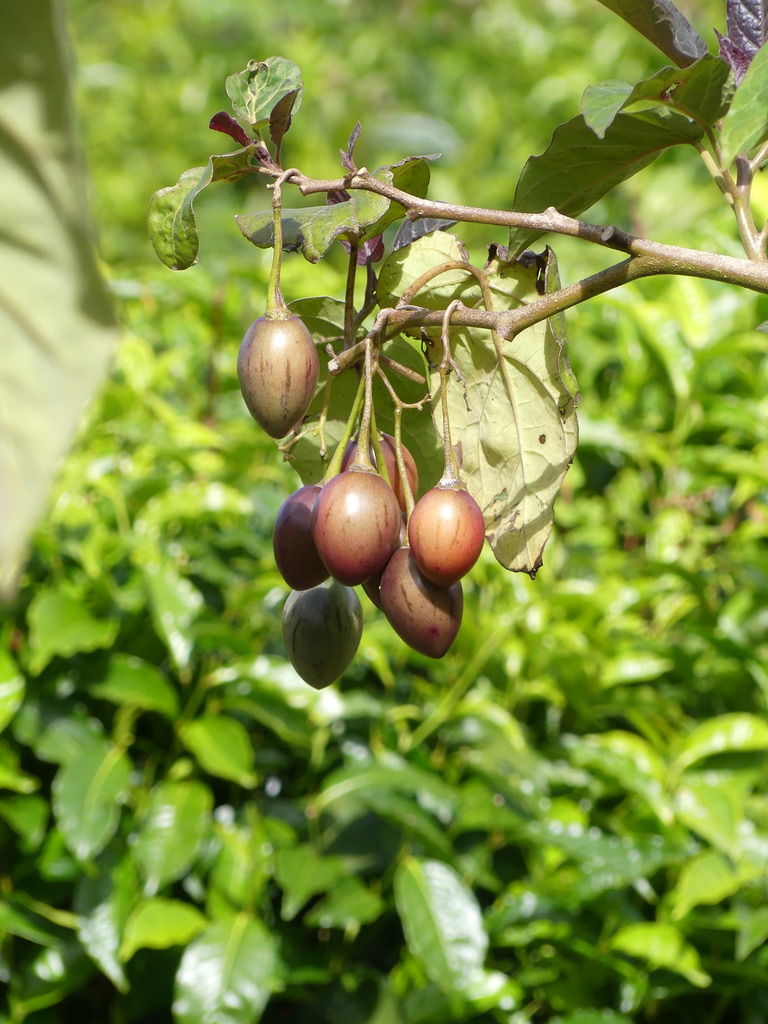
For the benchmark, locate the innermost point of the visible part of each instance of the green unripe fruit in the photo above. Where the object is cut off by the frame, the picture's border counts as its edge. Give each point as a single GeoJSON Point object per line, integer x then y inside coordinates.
{"type": "Point", "coordinates": [321, 631]}
{"type": "Point", "coordinates": [277, 367]}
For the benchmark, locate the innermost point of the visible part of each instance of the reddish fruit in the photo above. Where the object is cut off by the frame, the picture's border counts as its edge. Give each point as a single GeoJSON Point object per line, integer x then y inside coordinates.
{"type": "Point", "coordinates": [446, 534]}
{"type": "Point", "coordinates": [321, 631]}
{"type": "Point", "coordinates": [355, 525]}
{"type": "Point", "coordinates": [277, 367]}
{"type": "Point", "coordinates": [390, 460]}
{"type": "Point", "coordinates": [426, 616]}
{"type": "Point", "coordinates": [295, 553]}
{"type": "Point", "coordinates": [372, 586]}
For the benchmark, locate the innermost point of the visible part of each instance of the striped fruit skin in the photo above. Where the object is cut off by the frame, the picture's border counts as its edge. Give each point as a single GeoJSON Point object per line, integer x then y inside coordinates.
{"type": "Point", "coordinates": [322, 627]}
{"type": "Point", "coordinates": [293, 545]}
{"type": "Point", "coordinates": [446, 534]}
{"type": "Point", "coordinates": [278, 368]}
{"type": "Point", "coordinates": [356, 525]}
{"type": "Point", "coordinates": [426, 616]}
{"type": "Point", "coordinates": [390, 458]}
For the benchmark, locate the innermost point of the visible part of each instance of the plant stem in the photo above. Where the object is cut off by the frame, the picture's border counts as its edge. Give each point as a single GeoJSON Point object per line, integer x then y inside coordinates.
{"type": "Point", "coordinates": [349, 297]}
{"type": "Point", "coordinates": [450, 476]}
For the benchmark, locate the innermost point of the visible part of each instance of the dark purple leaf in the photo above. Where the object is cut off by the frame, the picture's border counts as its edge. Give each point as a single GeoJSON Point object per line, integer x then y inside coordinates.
{"type": "Point", "coordinates": [663, 25]}
{"type": "Point", "coordinates": [410, 230]}
{"type": "Point", "coordinates": [280, 118]}
{"type": "Point", "coordinates": [347, 157]}
{"type": "Point", "coordinates": [735, 57]}
{"type": "Point", "coordinates": [747, 29]}
{"type": "Point", "coordinates": [224, 122]}
{"type": "Point", "coordinates": [336, 195]}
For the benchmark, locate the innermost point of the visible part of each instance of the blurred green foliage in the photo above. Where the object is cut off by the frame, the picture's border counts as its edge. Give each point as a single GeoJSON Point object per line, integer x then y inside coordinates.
{"type": "Point", "coordinates": [565, 819]}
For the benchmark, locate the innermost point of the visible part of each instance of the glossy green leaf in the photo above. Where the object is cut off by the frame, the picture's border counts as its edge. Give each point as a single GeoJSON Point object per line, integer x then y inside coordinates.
{"type": "Point", "coordinates": [664, 25]}
{"type": "Point", "coordinates": [16, 919]}
{"type": "Point", "coordinates": [753, 930]}
{"type": "Point", "coordinates": [746, 123]}
{"type": "Point", "coordinates": [177, 819]}
{"type": "Point", "coordinates": [257, 91]}
{"type": "Point", "coordinates": [491, 990]}
{"type": "Point", "coordinates": [27, 815]}
{"type": "Point", "coordinates": [226, 974]}
{"type": "Point", "coordinates": [159, 923]}
{"type": "Point", "coordinates": [707, 879]}
{"type": "Point", "coordinates": [442, 921]}
{"type": "Point", "coordinates": [102, 901]}
{"type": "Point", "coordinates": [301, 873]}
{"type": "Point", "coordinates": [702, 90]}
{"type": "Point", "coordinates": [222, 746]}
{"type": "Point", "coordinates": [62, 625]}
{"type": "Point", "coordinates": [712, 810]}
{"type": "Point", "coordinates": [661, 945]}
{"type": "Point", "coordinates": [12, 688]}
{"type": "Point", "coordinates": [51, 976]}
{"type": "Point", "coordinates": [595, 166]}
{"type": "Point", "coordinates": [348, 904]}
{"type": "Point", "coordinates": [732, 732]}
{"type": "Point", "coordinates": [134, 682]}
{"type": "Point", "coordinates": [175, 604]}
{"type": "Point", "coordinates": [87, 794]}
{"type": "Point", "coordinates": [56, 351]}
{"type": "Point", "coordinates": [399, 777]}
{"type": "Point", "coordinates": [171, 218]}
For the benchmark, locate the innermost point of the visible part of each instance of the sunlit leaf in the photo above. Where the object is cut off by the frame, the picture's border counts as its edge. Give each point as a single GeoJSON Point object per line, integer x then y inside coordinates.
{"type": "Point", "coordinates": [661, 945]}
{"type": "Point", "coordinates": [262, 87]}
{"type": "Point", "coordinates": [56, 320]}
{"type": "Point", "coordinates": [87, 794]}
{"type": "Point", "coordinates": [226, 974]}
{"type": "Point", "coordinates": [222, 746]}
{"type": "Point", "coordinates": [733, 732]}
{"type": "Point", "coordinates": [12, 688]}
{"type": "Point", "coordinates": [707, 879]}
{"type": "Point", "coordinates": [158, 923]}
{"type": "Point", "coordinates": [746, 123]}
{"type": "Point", "coordinates": [177, 819]}
{"type": "Point", "coordinates": [103, 900]}
{"type": "Point", "coordinates": [134, 682]}
{"type": "Point", "coordinates": [664, 25]}
{"type": "Point", "coordinates": [63, 625]}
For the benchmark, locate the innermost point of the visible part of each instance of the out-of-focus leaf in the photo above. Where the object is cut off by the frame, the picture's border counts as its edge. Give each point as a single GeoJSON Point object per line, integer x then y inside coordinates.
{"type": "Point", "coordinates": [222, 747]}
{"type": "Point", "coordinates": [12, 688]}
{"type": "Point", "coordinates": [60, 624]}
{"type": "Point", "coordinates": [87, 794]}
{"type": "Point", "coordinates": [732, 732]}
{"type": "Point", "coordinates": [595, 1017]}
{"type": "Point", "coordinates": [442, 922]}
{"type": "Point", "coordinates": [264, 84]}
{"type": "Point", "coordinates": [175, 604]}
{"type": "Point", "coordinates": [18, 920]}
{"type": "Point", "coordinates": [171, 218]}
{"type": "Point", "coordinates": [711, 810]}
{"type": "Point", "coordinates": [49, 978]}
{"type": "Point", "coordinates": [177, 819]}
{"type": "Point", "coordinates": [577, 168]}
{"type": "Point", "coordinates": [158, 923]}
{"type": "Point", "coordinates": [134, 682]}
{"type": "Point", "coordinates": [746, 123]}
{"type": "Point", "coordinates": [707, 879]}
{"type": "Point", "coordinates": [55, 351]}
{"type": "Point", "coordinates": [753, 930]}
{"type": "Point", "coordinates": [102, 902]}
{"type": "Point", "coordinates": [226, 974]}
{"type": "Point", "coordinates": [28, 815]}
{"type": "Point", "coordinates": [661, 945]}
{"type": "Point", "coordinates": [702, 90]}
{"type": "Point", "coordinates": [65, 739]}
{"type": "Point", "coordinates": [302, 874]}
{"type": "Point", "coordinates": [348, 904]}
{"type": "Point", "coordinates": [11, 776]}
{"type": "Point", "coordinates": [663, 25]}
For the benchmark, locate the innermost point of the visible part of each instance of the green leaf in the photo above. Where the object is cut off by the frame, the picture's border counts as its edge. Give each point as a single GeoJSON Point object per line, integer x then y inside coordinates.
{"type": "Point", "coordinates": [222, 746]}
{"type": "Point", "coordinates": [707, 879]}
{"type": "Point", "coordinates": [349, 904]}
{"type": "Point", "coordinates": [701, 91]}
{"type": "Point", "coordinates": [714, 811]}
{"type": "Point", "coordinates": [733, 732]}
{"type": "Point", "coordinates": [159, 923]}
{"type": "Point", "coordinates": [18, 920]}
{"type": "Point", "coordinates": [227, 974]}
{"type": "Point", "coordinates": [264, 84]}
{"type": "Point", "coordinates": [171, 217]}
{"type": "Point", "coordinates": [87, 794]}
{"type": "Point", "coordinates": [513, 423]}
{"type": "Point", "coordinates": [664, 25]}
{"type": "Point", "coordinates": [302, 874]}
{"type": "Point", "coordinates": [175, 604]}
{"type": "Point", "coordinates": [102, 902]}
{"type": "Point", "coordinates": [134, 682]}
{"type": "Point", "coordinates": [661, 945]}
{"type": "Point", "coordinates": [27, 815]}
{"type": "Point", "coordinates": [577, 168]}
{"type": "Point", "coordinates": [11, 776]}
{"type": "Point", "coordinates": [442, 922]}
{"type": "Point", "coordinates": [595, 1017]}
{"type": "Point", "coordinates": [51, 976]}
{"type": "Point", "coordinates": [60, 624]}
{"type": "Point", "coordinates": [177, 819]}
{"type": "Point", "coordinates": [12, 688]}
{"type": "Point", "coordinates": [56, 351]}
{"type": "Point", "coordinates": [753, 930]}
{"type": "Point", "coordinates": [746, 123]}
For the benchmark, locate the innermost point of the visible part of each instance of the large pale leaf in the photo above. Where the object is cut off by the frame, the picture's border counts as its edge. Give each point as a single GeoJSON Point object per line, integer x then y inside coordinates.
{"type": "Point", "coordinates": [177, 819]}
{"type": "Point", "coordinates": [226, 974]}
{"type": "Point", "coordinates": [56, 321]}
{"type": "Point", "coordinates": [746, 123]}
{"type": "Point", "coordinates": [578, 168]}
{"type": "Point", "coordinates": [442, 922]}
{"type": "Point", "coordinates": [664, 25]}
{"type": "Point", "coordinates": [262, 87]}
{"type": "Point", "coordinates": [513, 422]}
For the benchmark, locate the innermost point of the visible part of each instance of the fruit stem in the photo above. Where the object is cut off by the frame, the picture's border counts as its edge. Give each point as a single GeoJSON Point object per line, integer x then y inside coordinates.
{"type": "Point", "coordinates": [363, 457]}
{"type": "Point", "coordinates": [276, 307]}
{"type": "Point", "coordinates": [334, 466]}
{"type": "Point", "coordinates": [450, 477]}
{"type": "Point", "coordinates": [408, 493]}
{"type": "Point", "coordinates": [378, 455]}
